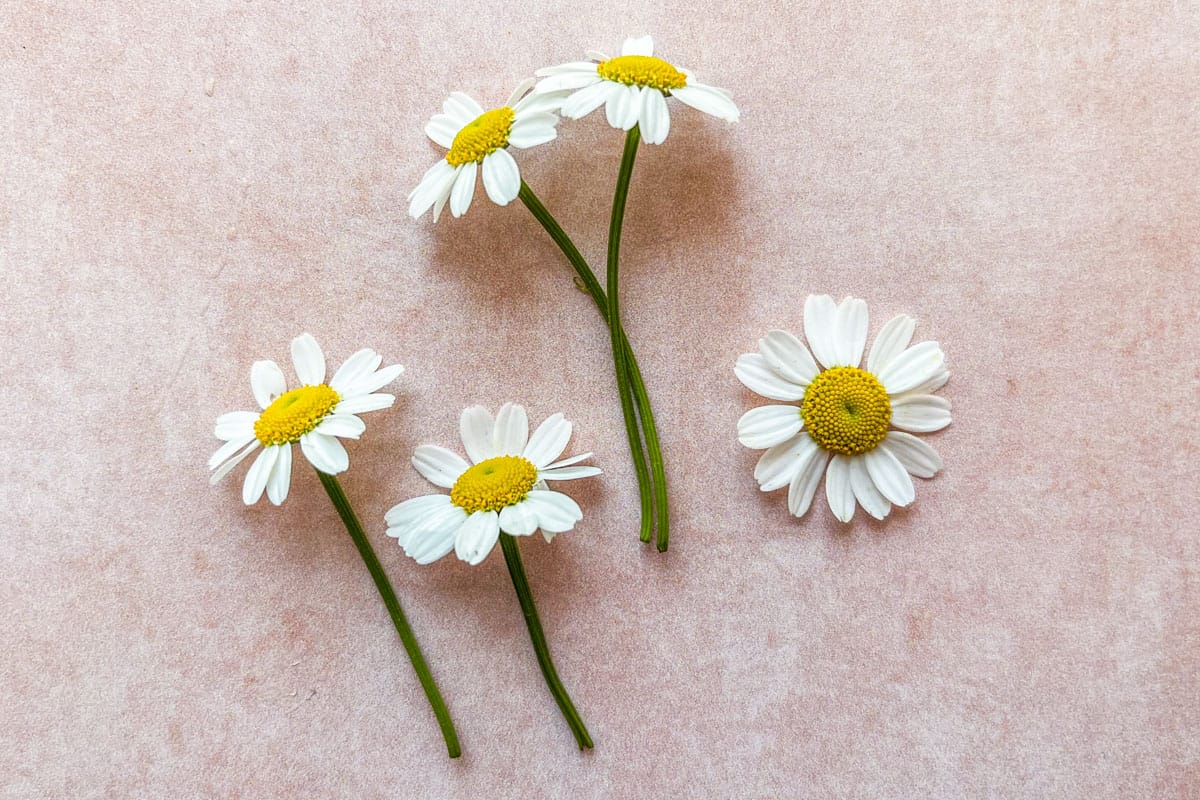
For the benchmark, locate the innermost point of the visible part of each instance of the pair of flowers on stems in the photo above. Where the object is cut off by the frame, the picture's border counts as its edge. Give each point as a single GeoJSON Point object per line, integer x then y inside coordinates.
{"type": "Point", "coordinates": [633, 88]}
{"type": "Point", "coordinates": [503, 493]}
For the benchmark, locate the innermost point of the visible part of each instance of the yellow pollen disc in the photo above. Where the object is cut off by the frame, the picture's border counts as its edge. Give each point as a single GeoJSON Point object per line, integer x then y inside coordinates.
{"type": "Point", "coordinates": [642, 71]}
{"type": "Point", "coordinates": [481, 137]}
{"type": "Point", "coordinates": [846, 410]}
{"type": "Point", "coordinates": [294, 414]}
{"type": "Point", "coordinates": [493, 484]}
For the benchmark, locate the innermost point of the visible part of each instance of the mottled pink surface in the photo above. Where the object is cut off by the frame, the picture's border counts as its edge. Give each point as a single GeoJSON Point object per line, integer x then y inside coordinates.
{"type": "Point", "coordinates": [186, 186]}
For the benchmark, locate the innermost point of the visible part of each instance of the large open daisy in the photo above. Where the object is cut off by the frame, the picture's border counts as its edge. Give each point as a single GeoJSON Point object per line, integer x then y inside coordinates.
{"type": "Point", "coordinates": [633, 88]}
{"type": "Point", "coordinates": [503, 489]}
{"type": "Point", "coordinates": [314, 416]}
{"type": "Point", "coordinates": [853, 425]}
{"type": "Point", "coordinates": [479, 140]}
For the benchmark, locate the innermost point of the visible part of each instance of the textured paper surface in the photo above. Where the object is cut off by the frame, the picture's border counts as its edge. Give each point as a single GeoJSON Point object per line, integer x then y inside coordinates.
{"type": "Point", "coordinates": [187, 186]}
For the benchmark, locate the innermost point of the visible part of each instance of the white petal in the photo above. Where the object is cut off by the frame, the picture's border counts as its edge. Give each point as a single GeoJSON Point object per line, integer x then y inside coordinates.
{"type": "Point", "coordinates": [235, 425]}
{"type": "Point", "coordinates": [228, 466]}
{"type": "Point", "coordinates": [475, 426]}
{"type": "Point", "coordinates": [556, 513]}
{"type": "Point", "coordinates": [462, 107]}
{"type": "Point", "coordinates": [567, 81]}
{"type": "Point", "coordinates": [438, 465]}
{"type": "Point", "coordinates": [788, 357]}
{"type": "Point", "coordinates": [708, 99]}
{"type": "Point", "coordinates": [568, 473]}
{"type": "Point", "coordinates": [511, 432]}
{"type": "Point", "coordinates": [865, 492]}
{"type": "Point", "coordinates": [308, 360]}
{"type": "Point", "coordinates": [803, 485]}
{"type": "Point", "coordinates": [373, 381]}
{"type": "Point", "coordinates": [433, 535]}
{"type": "Point", "coordinates": [562, 69]}
{"type": "Point", "coordinates": [228, 451]}
{"type": "Point", "coordinates": [889, 476]}
{"type": "Point", "coordinates": [838, 490]}
{"type": "Point", "coordinates": [442, 128]}
{"type": "Point", "coordinates": [566, 462]}
{"type": "Point", "coordinates": [623, 104]}
{"type": "Point", "coordinates": [779, 464]}
{"type": "Point", "coordinates": [757, 376]}
{"type": "Point", "coordinates": [259, 472]}
{"type": "Point", "coordinates": [522, 89]}
{"type": "Point", "coordinates": [851, 335]}
{"type": "Point", "coordinates": [820, 321]}
{"type": "Point", "coordinates": [477, 537]}
{"type": "Point", "coordinates": [364, 403]}
{"type": "Point", "coordinates": [931, 384]}
{"type": "Point", "coordinates": [409, 513]}
{"type": "Point", "coordinates": [346, 426]}
{"type": "Point", "coordinates": [586, 100]}
{"type": "Point", "coordinates": [890, 342]}
{"type": "Point", "coordinates": [654, 119]}
{"type": "Point", "coordinates": [267, 383]}
{"type": "Point", "coordinates": [325, 453]}
{"type": "Point", "coordinates": [767, 426]}
{"type": "Point", "coordinates": [433, 190]}
{"type": "Point", "coordinates": [520, 519]}
{"type": "Point", "coordinates": [915, 365]}
{"type": "Point", "coordinates": [501, 177]}
{"type": "Point", "coordinates": [537, 103]}
{"type": "Point", "coordinates": [354, 368]}
{"type": "Point", "coordinates": [281, 476]}
{"type": "Point", "coordinates": [464, 189]}
{"type": "Point", "coordinates": [920, 413]}
{"type": "Point", "coordinates": [641, 46]}
{"type": "Point", "coordinates": [548, 441]}
{"type": "Point", "coordinates": [532, 130]}
{"type": "Point", "coordinates": [915, 455]}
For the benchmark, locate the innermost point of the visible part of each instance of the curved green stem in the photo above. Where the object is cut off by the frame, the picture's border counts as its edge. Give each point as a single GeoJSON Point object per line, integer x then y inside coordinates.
{"type": "Point", "coordinates": [512, 556]}
{"type": "Point", "coordinates": [354, 528]}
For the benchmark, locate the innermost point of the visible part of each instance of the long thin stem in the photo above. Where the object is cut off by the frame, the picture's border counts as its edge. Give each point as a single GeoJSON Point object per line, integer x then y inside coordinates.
{"type": "Point", "coordinates": [512, 556]}
{"type": "Point", "coordinates": [354, 528]}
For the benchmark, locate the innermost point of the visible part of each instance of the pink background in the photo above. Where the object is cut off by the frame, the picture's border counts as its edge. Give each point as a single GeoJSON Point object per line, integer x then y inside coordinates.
{"type": "Point", "coordinates": [185, 187]}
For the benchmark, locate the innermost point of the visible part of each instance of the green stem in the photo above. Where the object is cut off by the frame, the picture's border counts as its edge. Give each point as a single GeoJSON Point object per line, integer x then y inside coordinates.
{"type": "Point", "coordinates": [512, 556]}
{"type": "Point", "coordinates": [354, 528]}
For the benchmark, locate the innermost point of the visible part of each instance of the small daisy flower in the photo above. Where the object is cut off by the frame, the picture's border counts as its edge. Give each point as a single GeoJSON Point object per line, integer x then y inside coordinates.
{"type": "Point", "coordinates": [503, 489]}
{"type": "Point", "coordinates": [476, 138]}
{"type": "Point", "coordinates": [314, 415]}
{"type": "Point", "coordinates": [853, 425]}
{"type": "Point", "coordinates": [633, 88]}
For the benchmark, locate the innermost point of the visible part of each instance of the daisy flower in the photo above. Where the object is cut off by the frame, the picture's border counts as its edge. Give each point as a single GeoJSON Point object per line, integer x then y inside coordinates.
{"type": "Point", "coordinates": [474, 137]}
{"type": "Point", "coordinates": [502, 489]}
{"type": "Point", "coordinates": [633, 88]}
{"type": "Point", "coordinates": [315, 415]}
{"type": "Point", "coordinates": [854, 425]}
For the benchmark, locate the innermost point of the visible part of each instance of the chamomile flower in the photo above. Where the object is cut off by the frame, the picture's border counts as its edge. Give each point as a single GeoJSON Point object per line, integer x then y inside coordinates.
{"type": "Point", "coordinates": [853, 425]}
{"type": "Point", "coordinates": [478, 141]}
{"type": "Point", "coordinates": [315, 416]}
{"type": "Point", "coordinates": [633, 88]}
{"type": "Point", "coordinates": [502, 489]}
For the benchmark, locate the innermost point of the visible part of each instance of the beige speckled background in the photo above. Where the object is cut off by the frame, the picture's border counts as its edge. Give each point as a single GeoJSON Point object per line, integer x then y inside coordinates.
{"type": "Point", "coordinates": [184, 187]}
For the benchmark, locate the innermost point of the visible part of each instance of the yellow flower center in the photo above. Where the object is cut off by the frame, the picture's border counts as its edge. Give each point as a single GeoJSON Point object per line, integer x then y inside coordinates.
{"type": "Point", "coordinates": [846, 410]}
{"type": "Point", "coordinates": [642, 71]}
{"type": "Point", "coordinates": [493, 484]}
{"type": "Point", "coordinates": [481, 137]}
{"type": "Point", "coordinates": [294, 414]}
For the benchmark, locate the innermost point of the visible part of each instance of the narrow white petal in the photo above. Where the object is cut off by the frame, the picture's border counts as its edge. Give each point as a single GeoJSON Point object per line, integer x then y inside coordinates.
{"type": "Point", "coordinates": [804, 483]}
{"type": "Point", "coordinates": [756, 375]}
{"type": "Point", "coordinates": [235, 425]}
{"type": "Point", "coordinates": [228, 451]}
{"type": "Point", "coordinates": [566, 462]}
{"type": "Point", "coordinates": [779, 464]}
{"type": "Point", "coordinates": [308, 360]}
{"type": "Point", "coordinates": [709, 99]}
{"type": "Point", "coordinates": [354, 368]}
{"type": "Point", "coordinates": [623, 104]}
{"type": "Point", "coordinates": [851, 331]}
{"type": "Point", "coordinates": [654, 119]}
{"type": "Point", "coordinates": [281, 476]}
{"type": "Point", "coordinates": [475, 427]}
{"type": "Point", "coordinates": [562, 69]}
{"type": "Point", "coordinates": [788, 357]}
{"type": "Point", "coordinates": [889, 476]}
{"type": "Point", "coordinates": [432, 536]}
{"type": "Point", "coordinates": [531, 134]}
{"type": "Point", "coordinates": [364, 403]}
{"type": "Point", "coordinates": [586, 100]}
{"type": "Point", "coordinates": [767, 426]}
{"type": "Point", "coordinates": [522, 89]}
{"type": "Point", "coordinates": [548, 441]}
{"type": "Point", "coordinates": [931, 384]}
{"type": "Point", "coordinates": [915, 455]}
{"type": "Point", "coordinates": [373, 381]}
{"type": "Point", "coordinates": [568, 473]}
{"type": "Point", "coordinates": [462, 106]}
{"type": "Point", "coordinates": [501, 177]}
{"type": "Point", "coordinates": [556, 512]}
{"type": "Point", "coordinates": [346, 426]}
{"type": "Point", "coordinates": [538, 103]}
{"type": "Point", "coordinates": [267, 383]}
{"type": "Point", "coordinates": [890, 342]}
{"type": "Point", "coordinates": [442, 128]}
{"type": "Point", "coordinates": [257, 475]}
{"type": "Point", "coordinates": [438, 465]}
{"type": "Point", "coordinates": [511, 432]}
{"type": "Point", "coordinates": [913, 367]}
{"type": "Point", "coordinates": [433, 190]}
{"type": "Point", "coordinates": [464, 189]}
{"type": "Point", "coordinates": [520, 519]}
{"type": "Point", "coordinates": [412, 511]}
{"type": "Point", "coordinates": [325, 453]}
{"type": "Point", "coordinates": [920, 413]}
{"type": "Point", "coordinates": [820, 319]}
{"type": "Point", "coordinates": [229, 465]}
{"type": "Point", "coordinates": [477, 537]}
{"type": "Point", "coordinates": [567, 81]}
{"type": "Point", "coordinates": [838, 490]}
{"type": "Point", "coordinates": [864, 490]}
{"type": "Point", "coordinates": [640, 46]}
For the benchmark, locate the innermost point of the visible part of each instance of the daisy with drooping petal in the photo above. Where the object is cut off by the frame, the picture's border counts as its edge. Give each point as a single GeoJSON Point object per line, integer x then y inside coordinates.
{"type": "Point", "coordinates": [502, 493]}
{"type": "Point", "coordinates": [478, 141]}
{"type": "Point", "coordinates": [315, 416]}
{"type": "Point", "coordinates": [853, 425]}
{"type": "Point", "coordinates": [633, 88]}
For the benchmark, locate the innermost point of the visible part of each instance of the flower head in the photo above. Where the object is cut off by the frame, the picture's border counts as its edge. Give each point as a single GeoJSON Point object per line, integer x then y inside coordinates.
{"type": "Point", "coordinates": [314, 415]}
{"type": "Point", "coordinates": [633, 88]}
{"type": "Point", "coordinates": [848, 416]}
{"type": "Point", "coordinates": [476, 139]}
{"type": "Point", "coordinates": [503, 488]}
